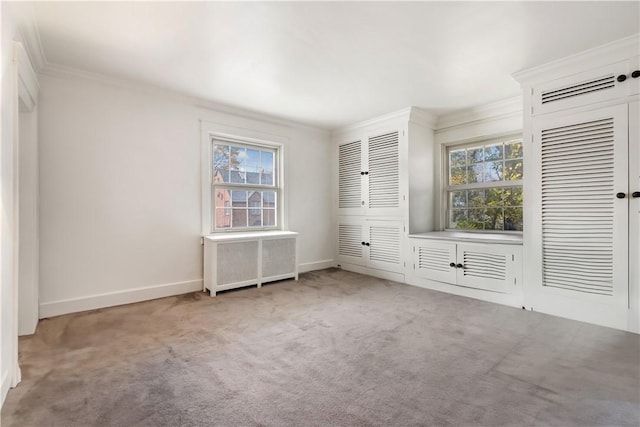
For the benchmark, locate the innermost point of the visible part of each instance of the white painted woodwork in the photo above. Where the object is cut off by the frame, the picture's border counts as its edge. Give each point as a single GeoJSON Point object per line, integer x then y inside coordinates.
{"type": "Point", "coordinates": [388, 163]}
{"type": "Point", "coordinates": [234, 260]}
{"type": "Point", "coordinates": [371, 243]}
{"type": "Point", "coordinates": [634, 217]}
{"type": "Point", "coordinates": [486, 266]}
{"type": "Point", "coordinates": [580, 239]}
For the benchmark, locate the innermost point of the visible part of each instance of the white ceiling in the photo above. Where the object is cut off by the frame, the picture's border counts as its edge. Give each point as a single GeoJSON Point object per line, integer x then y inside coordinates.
{"type": "Point", "coordinates": [328, 63]}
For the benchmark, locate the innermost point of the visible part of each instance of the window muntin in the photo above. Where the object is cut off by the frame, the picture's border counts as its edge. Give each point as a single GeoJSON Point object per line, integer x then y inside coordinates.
{"type": "Point", "coordinates": [245, 186]}
{"type": "Point", "coordinates": [484, 185]}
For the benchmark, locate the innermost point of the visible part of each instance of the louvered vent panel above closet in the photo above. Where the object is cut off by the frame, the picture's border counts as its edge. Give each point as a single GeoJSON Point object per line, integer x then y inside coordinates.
{"type": "Point", "coordinates": [384, 171]}
{"type": "Point", "coordinates": [350, 240]}
{"type": "Point", "coordinates": [578, 89]}
{"type": "Point", "coordinates": [349, 178]}
{"type": "Point", "coordinates": [578, 206]}
{"type": "Point", "coordinates": [434, 259]}
{"type": "Point", "coordinates": [485, 265]}
{"type": "Point", "coordinates": [385, 244]}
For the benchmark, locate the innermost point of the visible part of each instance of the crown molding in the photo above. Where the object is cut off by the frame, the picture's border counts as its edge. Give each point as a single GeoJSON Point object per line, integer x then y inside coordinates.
{"type": "Point", "coordinates": [24, 17]}
{"type": "Point", "coordinates": [510, 107]}
{"type": "Point", "coordinates": [412, 114]}
{"type": "Point", "coordinates": [618, 50]}
{"type": "Point", "coordinates": [62, 71]}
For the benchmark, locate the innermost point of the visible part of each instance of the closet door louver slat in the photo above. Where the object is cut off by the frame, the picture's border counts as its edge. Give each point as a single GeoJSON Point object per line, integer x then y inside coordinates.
{"type": "Point", "coordinates": [577, 202]}
{"type": "Point", "coordinates": [384, 244]}
{"type": "Point", "coordinates": [349, 178]}
{"type": "Point", "coordinates": [350, 240]}
{"type": "Point", "coordinates": [384, 171]}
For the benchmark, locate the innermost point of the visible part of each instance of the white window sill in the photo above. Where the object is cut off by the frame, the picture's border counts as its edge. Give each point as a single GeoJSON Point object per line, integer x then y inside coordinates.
{"type": "Point", "coordinates": [249, 235]}
{"type": "Point", "coordinates": [461, 236]}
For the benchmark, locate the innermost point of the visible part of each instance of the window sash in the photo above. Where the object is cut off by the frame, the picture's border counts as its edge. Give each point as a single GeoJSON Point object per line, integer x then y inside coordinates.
{"type": "Point", "coordinates": [447, 188]}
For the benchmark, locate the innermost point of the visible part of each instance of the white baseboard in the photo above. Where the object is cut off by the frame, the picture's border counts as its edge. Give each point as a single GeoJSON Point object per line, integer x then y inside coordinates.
{"type": "Point", "coordinates": [4, 388]}
{"type": "Point", "coordinates": [387, 275]}
{"type": "Point", "coordinates": [128, 296]}
{"type": "Point", "coordinates": [512, 300]}
{"type": "Point", "coordinates": [316, 265]}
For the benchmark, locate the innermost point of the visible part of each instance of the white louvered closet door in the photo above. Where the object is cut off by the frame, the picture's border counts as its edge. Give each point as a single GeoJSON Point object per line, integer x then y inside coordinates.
{"type": "Point", "coordinates": [382, 177]}
{"type": "Point", "coordinates": [383, 245]}
{"type": "Point", "coordinates": [351, 240]}
{"type": "Point", "coordinates": [583, 225]}
{"type": "Point", "coordinates": [350, 177]}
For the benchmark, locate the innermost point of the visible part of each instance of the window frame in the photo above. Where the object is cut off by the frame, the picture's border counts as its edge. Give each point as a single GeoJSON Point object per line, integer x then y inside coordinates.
{"type": "Point", "coordinates": [249, 188]}
{"type": "Point", "coordinates": [211, 132]}
{"type": "Point", "coordinates": [446, 187]}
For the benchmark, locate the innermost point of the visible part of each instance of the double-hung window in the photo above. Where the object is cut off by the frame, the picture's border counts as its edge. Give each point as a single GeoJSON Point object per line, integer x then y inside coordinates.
{"type": "Point", "coordinates": [245, 187]}
{"type": "Point", "coordinates": [484, 185]}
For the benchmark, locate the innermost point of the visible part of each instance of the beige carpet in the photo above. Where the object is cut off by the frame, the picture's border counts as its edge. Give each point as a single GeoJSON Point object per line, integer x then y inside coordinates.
{"type": "Point", "coordinates": [334, 349]}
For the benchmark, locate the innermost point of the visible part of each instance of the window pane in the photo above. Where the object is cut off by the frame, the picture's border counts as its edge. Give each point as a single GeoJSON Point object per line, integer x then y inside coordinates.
{"type": "Point", "coordinates": [474, 173]}
{"type": "Point", "coordinates": [493, 219]}
{"type": "Point", "coordinates": [458, 199]}
{"type": "Point", "coordinates": [493, 152]}
{"type": "Point", "coordinates": [513, 219]}
{"type": "Point", "coordinates": [513, 150]}
{"type": "Point", "coordinates": [222, 217]}
{"type": "Point", "coordinates": [266, 167]}
{"type": "Point", "coordinates": [238, 199]}
{"type": "Point", "coordinates": [459, 218]}
{"type": "Point", "coordinates": [475, 155]}
{"type": "Point", "coordinates": [513, 197]}
{"type": "Point", "coordinates": [457, 176]}
{"type": "Point", "coordinates": [476, 220]}
{"type": "Point", "coordinates": [222, 198]}
{"type": "Point", "coordinates": [457, 158]}
{"type": "Point", "coordinates": [269, 199]}
{"type": "Point", "coordinates": [513, 170]}
{"type": "Point", "coordinates": [476, 198]}
{"type": "Point", "coordinates": [221, 163]}
{"type": "Point", "coordinates": [238, 163]}
{"type": "Point", "coordinates": [253, 166]}
{"type": "Point", "coordinates": [492, 171]}
{"type": "Point", "coordinates": [269, 217]}
{"type": "Point", "coordinates": [239, 217]}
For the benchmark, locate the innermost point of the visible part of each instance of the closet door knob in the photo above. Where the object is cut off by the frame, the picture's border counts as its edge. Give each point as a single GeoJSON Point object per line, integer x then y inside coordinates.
{"type": "Point", "coordinates": [368, 244]}
{"type": "Point", "coordinates": [453, 264]}
{"type": "Point", "coordinates": [361, 173]}
{"type": "Point", "coordinates": [460, 266]}
{"type": "Point", "coordinates": [635, 74]}
{"type": "Point", "coordinates": [363, 243]}
{"type": "Point", "coordinates": [366, 173]}
{"type": "Point", "coordinates": [635, 194]}
{"type": "Point", "coordinates": [622, 77]}
{"type": "Point", "coordinates": [621, 195]}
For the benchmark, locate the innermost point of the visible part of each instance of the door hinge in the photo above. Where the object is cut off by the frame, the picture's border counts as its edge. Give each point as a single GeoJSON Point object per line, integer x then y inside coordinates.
{"type": "Point", "coordinates": [513, 257]}
{"type": "Point", "coordinates": [414, 265]}
{"type": "Point", "coordinates": [515, 280]}
{"type": "Point", "coordinates": [414, 249]}
{"type": "Point", "coordinates": [405, 263]}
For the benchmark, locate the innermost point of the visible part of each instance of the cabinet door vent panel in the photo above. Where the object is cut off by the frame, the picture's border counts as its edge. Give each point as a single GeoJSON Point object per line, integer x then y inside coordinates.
{"type": "Point", "coordinates": [589, 86]}
{"type": "Point", "coordinates": [485, 265]}
{"type": "Point", "coordinates": [350, 240]}
{"type": "Point", "coordinates": [578, 207]}
{"type": "Point", "coordinates": [236, 262]}
{"type": "Point", "coordinates": [349, 178]}
{"type": "Point", "coordinates": [384, 171]}
{"type": "Point", "coordinates": [433, 259]}
{"type": "Point", "coordinates": [385, 244]}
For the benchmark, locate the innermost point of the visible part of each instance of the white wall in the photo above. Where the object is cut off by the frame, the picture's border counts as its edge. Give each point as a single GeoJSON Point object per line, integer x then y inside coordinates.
{"type": "Point", "coordinates": [120, 214]}
{"type": "Point", "coordinates": [7, 314]}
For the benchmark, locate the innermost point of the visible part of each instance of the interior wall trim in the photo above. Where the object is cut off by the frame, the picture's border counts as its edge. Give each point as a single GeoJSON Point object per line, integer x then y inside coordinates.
{"type": "Point", "coordinates": [128, 296]}
{"type": "Point", "coordinates": [316, 265]}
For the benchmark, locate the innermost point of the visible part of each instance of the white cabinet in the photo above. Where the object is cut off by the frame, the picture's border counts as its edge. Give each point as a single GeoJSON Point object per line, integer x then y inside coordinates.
{"type": "Point", "coordinates": [582, 169]}
{"type": "Point", "coordinates": [234, 260]}
{"type": "Point", "coordinates": [491, 267]}
{"type": "Point", "coordinates": [371, 243]}
{"type": "Point", "coordinates": [369, 174]}
{"type": "Point", "coordinates": [384, 189]}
